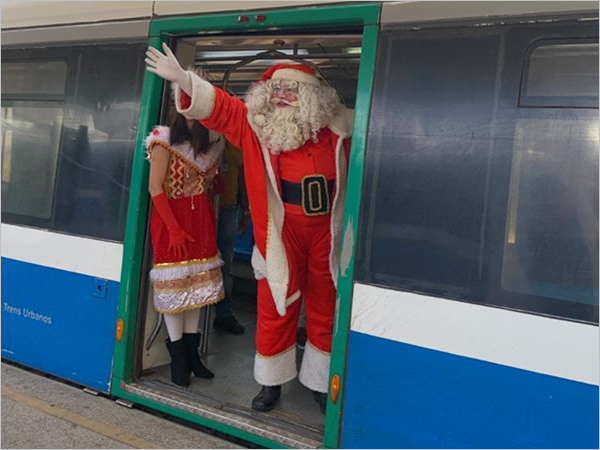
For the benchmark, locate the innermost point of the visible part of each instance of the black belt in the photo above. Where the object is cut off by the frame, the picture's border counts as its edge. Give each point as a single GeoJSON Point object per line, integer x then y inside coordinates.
{"type": "Point", "coordinates": [313, 194]}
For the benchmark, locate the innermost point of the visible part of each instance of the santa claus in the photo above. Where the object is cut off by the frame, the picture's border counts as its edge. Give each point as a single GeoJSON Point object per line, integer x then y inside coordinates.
{"type": "Point", "coordinates": [294, 134]}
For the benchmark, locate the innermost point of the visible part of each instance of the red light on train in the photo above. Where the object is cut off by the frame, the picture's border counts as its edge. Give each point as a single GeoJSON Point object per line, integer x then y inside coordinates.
{"type": "Point", "coordinates": [243, 18]}
{"type": "Point", "coordinates": [260, 18]}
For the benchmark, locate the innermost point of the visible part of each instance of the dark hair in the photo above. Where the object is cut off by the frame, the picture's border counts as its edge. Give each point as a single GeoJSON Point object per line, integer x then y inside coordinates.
{"type": "Point", "coordinates": [197, 135]}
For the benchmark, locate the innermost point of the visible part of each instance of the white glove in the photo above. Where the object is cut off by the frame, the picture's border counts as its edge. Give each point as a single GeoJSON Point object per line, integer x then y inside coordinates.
{"type": "Point", "coordinates": [166, 66]}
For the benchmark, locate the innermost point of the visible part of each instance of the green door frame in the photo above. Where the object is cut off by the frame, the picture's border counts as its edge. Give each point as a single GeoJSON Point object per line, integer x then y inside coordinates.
{"type": "Point", "coordinates": [161, 30]}
{"type": "Point", "coordinates": [343, 304]}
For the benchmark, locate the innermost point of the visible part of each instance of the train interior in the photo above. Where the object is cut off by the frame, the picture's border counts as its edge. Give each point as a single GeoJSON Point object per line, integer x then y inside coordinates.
{"type": "Point", "coordinates": [234, 62]}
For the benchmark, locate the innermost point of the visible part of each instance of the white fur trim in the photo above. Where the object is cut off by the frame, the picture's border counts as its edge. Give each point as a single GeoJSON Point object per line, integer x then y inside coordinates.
{"type": "Point", "coordinates": [255, 126]}
{"type": "Point", "coordinates": [276, 268]}
{"type": "Point", "coordinates": [259, 267]}
{"type": "Point", "coordinates": [342, 123]}
{"type": "Point", "coordinates": [160, 133]}
{"type": "Point", "coordinates": [203, 98]}
{"type": "Point", "coordinates": [258, 264]}
{"type": "Point", "coordinates": [295, 75]}
{"type": "Point", "coordinates": [213, 154]}
{"type": "Point", "coordinates": [276, 263]}
{"type": "Point", "coordinates": [203, 161]}
{"type": "Point", "coordinates": [314, 372]}
{"type": "Point", "coordinates": [337, 209]}
{"type": "Point", "coordinates": [175, 92]}
{"type": "Point", "coordinates": [275, 370]}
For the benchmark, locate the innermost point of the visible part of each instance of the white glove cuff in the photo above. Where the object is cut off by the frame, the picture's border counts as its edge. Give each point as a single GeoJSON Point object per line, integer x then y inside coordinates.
{"type": "Point", "coordinates": [202, 94]}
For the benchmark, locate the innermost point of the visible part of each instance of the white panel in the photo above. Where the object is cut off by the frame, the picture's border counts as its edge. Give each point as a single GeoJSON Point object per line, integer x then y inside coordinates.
{"type": "Point", "coordinates": [168, 8]}
{"type": "Point", "coordinates": [404, 12]}
{"type": "Point", "coordinates": [85, 256]}
{"type": "Point", "coordinates": [32, 13]}
{"type": "Point", "coordinates": [539, 344]}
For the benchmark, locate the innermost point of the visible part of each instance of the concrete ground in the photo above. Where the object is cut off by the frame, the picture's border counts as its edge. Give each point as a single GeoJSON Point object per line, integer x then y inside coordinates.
{"type": "Point", "coordinates": [40, 412]}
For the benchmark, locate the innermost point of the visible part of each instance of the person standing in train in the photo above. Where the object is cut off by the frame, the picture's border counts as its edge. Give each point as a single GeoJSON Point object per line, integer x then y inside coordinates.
{"type": "Point", "coordinates": [186, 270]}
{"type": "Point", "coordinates": [294, 134]}
{"type": "Point", "coordinates": [231, 200]}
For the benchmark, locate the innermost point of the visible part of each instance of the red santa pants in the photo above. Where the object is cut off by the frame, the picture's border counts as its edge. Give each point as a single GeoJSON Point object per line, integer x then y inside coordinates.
{"type": "Point", "coordinates": [307, 242]}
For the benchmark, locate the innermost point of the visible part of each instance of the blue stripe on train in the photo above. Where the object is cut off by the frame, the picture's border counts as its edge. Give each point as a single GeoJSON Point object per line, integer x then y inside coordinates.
{"type": "Point", "coordinates": [59, 322]}
{"type": "Point", "coordinates": [402, 396]}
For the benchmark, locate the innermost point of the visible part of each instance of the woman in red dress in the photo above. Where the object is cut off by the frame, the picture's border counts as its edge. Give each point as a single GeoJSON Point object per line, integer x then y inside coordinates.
{"type": "Point", "coordinates": [186, 270]}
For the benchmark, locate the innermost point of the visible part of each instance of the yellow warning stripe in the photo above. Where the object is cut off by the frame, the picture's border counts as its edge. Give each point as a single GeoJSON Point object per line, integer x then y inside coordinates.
{"type": "Point", "coordinates": [98, 427]}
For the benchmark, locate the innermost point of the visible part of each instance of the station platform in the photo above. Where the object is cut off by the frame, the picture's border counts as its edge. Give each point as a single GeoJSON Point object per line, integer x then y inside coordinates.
{"type": "Point", "coordinates": [41, 412]}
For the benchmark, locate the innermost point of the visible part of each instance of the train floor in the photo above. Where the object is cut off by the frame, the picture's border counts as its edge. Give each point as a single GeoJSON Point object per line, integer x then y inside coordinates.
{"type": "Point", "coordinates": [231, 359]}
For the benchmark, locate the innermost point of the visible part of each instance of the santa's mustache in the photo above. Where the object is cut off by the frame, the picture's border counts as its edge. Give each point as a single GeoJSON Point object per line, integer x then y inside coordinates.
{"type": "Point", "coordinates": [279, 101]}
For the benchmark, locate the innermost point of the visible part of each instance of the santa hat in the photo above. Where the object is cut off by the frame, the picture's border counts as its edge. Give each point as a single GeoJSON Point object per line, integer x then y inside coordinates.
{"type": "Point", "coordinates": [295, 72]}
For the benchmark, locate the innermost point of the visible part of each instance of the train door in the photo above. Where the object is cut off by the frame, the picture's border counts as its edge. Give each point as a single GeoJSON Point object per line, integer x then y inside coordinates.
{"type": "Point", "coordinates": [340, 42]}
{"type": "Point", "coordinates": [476, 270]}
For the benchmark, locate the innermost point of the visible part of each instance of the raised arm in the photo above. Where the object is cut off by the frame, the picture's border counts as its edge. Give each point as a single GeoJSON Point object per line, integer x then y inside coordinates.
{"type": "Point", "coordinates": [198, 99]}
{"type": "Point", "coordinates": [166, 66]}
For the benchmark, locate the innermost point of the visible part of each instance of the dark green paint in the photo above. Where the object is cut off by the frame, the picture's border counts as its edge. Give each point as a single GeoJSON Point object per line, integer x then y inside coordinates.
{"type": "Point", "coordinates": [341, 326]}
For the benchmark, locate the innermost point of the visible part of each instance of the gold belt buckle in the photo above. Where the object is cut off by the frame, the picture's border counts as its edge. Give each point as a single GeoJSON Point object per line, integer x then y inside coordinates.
{"type": "Point", "coordinates": [315, 197]}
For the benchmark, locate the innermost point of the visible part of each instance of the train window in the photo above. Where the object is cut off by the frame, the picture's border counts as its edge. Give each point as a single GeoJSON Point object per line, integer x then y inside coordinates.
{"type": "Point", "coordinates": [551, 238]}
{"type": "Point", "coordinates": [561, 75]}
{"type": "Point", "coordinates": [97, 148]}
{"type": "Point", "coordinates": [84, 136]}
{"type": "Point", "coordinates": [34, 78]}
{"type": "Point", "coordinates": [31, 135]}
{"type": "Point", "coordinates": [30, 141]}
{"type": "Point", "coordinates": [469, 195]}
{"type": "Point", "coordinates": [426, 167]}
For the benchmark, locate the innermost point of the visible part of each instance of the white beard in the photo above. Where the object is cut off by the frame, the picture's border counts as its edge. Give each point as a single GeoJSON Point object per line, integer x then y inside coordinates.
{"type": "Point", "coordinates": [281, 132]}
{"type": "Point", "coordinates": [287, 129]}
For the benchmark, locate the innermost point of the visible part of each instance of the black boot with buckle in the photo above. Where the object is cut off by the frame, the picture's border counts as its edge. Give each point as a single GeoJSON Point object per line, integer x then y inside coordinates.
{"type": "Point", "coordinates": [267, 398]}
{"type": "Point", "coordinates": [192, 341]}
{"type": "Point", "coordinates": [180, 372]}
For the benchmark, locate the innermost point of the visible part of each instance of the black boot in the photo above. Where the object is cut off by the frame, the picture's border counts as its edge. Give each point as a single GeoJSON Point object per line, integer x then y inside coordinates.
{"type": "Point", "coordinates": [180, 372]}
{"type": "Point", "coordinates": [192, 341]}
{"type": "Point", "coordinates": [267, 398]}
{"type": "Point", "coordinates": [321, 399]}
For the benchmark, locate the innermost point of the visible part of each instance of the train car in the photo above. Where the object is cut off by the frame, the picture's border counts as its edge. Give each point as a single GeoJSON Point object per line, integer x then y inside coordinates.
{"type": "Point", "coordinates": [467, 304]}
{"type": "Point", "coordinates": [70, 107]}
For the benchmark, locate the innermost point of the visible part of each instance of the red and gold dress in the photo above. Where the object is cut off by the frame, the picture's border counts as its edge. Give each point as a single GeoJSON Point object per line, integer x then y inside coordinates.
{"type": "Point", "coordinates": [185, 285]}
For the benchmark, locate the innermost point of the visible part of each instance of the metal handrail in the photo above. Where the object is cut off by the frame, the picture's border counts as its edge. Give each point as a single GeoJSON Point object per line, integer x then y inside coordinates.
{"type": "Point", "coordinates": [261, 55]}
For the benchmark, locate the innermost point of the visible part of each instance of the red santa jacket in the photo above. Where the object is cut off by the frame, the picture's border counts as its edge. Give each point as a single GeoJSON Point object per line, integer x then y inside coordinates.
{"type": "Point", "coordinates": [228, 115]}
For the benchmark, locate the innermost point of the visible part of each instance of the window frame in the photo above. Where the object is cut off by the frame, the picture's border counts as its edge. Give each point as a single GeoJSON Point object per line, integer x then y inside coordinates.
{"type": "Point", "coordinates": [526, 101]}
